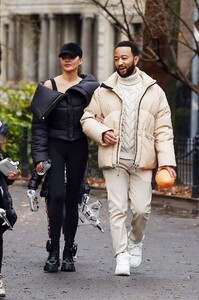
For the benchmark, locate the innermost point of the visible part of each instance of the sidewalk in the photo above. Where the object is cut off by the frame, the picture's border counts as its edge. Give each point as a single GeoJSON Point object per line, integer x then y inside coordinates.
{"type": "Point", "coordinates": [170, 268]}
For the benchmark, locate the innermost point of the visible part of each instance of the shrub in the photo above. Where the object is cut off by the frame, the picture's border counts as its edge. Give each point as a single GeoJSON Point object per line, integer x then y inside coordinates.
{"type": "Point", "coordinates": [15, 111]}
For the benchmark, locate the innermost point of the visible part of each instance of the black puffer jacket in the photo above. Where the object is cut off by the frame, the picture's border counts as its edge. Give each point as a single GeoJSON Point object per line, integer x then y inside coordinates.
{"type": "Point", "coordinates": [6, 201]}
{"type": "Point", "coordinates": [63, 122]}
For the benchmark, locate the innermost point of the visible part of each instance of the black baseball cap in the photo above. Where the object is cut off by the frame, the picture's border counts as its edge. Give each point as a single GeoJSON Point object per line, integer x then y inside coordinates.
{"type": "Point", "coordinates": [71, 49]}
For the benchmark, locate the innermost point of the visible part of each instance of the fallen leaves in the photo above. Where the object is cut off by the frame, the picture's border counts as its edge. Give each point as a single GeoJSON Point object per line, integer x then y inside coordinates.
{"type": "Point", "coordinates": [180, 191]}
{"type": "Point", "coordinates": [96, 182]}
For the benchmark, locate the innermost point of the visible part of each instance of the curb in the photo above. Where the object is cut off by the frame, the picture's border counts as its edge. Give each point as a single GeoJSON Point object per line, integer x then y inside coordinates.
{"type": "Point", "coordinates": [174, 205]}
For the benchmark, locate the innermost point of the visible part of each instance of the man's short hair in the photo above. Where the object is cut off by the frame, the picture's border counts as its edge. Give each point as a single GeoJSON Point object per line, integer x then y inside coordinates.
{"type": "Point", "coordinates": [133, 46]}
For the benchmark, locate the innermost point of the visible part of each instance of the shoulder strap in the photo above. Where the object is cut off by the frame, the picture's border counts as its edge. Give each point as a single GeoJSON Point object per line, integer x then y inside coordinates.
{"type": "Point", "coordinates": [53, 84]}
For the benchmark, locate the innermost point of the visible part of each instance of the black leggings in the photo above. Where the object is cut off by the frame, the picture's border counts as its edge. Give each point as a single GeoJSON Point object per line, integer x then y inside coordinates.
{"type": "Point", "coordinates": [71, 156]}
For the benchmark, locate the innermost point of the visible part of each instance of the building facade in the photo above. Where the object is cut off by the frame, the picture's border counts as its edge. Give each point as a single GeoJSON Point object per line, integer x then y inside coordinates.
{"type": "Point", "coordinates": [32, 33]}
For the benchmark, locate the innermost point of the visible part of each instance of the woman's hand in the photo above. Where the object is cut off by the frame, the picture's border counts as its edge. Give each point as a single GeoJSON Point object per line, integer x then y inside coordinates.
{"type": "Point", "coordinates": [39, 167]}
{"type": "Point", "coordinates": [99, 118]}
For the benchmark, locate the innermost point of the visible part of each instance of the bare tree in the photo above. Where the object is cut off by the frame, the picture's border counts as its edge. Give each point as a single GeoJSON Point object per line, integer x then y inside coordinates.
{"type": "Point", "coordinates": [165, 30]}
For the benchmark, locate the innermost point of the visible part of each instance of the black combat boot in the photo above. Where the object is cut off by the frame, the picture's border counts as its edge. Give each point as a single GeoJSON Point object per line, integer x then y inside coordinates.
{"type": "Point", "coordinates": [52, 264]}
{"type": "Point", "coordinates": [69, 253]}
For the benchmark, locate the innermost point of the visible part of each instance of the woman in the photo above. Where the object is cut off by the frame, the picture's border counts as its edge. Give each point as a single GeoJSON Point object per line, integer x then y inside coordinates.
{"type": "Point", "coordinates": [57, 135]}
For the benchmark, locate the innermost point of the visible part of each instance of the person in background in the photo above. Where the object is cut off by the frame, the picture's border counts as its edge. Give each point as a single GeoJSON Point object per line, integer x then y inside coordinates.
{"type": "Point", "coordinates": [57, 135]}
{"type": "Point", "coordinates": [134, 136]}
{"type": "Point", "coordinates": [6, 208]}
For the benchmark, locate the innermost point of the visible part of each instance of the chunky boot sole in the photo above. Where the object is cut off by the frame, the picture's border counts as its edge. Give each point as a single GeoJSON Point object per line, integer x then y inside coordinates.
{"type": "Point", "coordinates": [51, 268]}
{"type": "Point", "coordinates": [67, 267]}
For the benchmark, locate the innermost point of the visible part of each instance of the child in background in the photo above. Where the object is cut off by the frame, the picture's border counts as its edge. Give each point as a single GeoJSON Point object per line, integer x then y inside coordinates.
{"type": "Point", "coordinates": [6, 206]}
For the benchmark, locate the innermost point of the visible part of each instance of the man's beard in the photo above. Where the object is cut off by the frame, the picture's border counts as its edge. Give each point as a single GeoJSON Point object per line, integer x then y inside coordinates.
{"type": "Point", "coordinates": [129, 71]}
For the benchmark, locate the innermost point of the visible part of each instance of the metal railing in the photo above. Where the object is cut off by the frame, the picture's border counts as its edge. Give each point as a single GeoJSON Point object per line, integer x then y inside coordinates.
{"type": "Point", "coordinates": [187, 157]}
{"type": "Point", "coordinates": [184, 149]}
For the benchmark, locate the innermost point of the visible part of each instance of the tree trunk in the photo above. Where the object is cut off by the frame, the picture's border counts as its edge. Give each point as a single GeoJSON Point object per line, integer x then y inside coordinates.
{"type": "Point", "coordinates": [155, 39]}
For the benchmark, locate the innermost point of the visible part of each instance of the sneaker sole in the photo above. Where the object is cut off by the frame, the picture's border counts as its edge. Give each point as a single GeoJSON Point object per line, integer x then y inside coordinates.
{"type": "Point", "coordinates": [132, 265]}
{"type": "Point", "coordinates": [135, 267]}
{"type": "Point", "coordinates": [122, 273]}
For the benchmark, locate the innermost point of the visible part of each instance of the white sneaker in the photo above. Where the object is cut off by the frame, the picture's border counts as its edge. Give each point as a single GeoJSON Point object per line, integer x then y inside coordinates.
{"type": "Point", "coordinates": [2, 289]}
{"type": "Point", "coordinates": [135, 253]}
{"type": "Point", "coordinates": [123, 264]}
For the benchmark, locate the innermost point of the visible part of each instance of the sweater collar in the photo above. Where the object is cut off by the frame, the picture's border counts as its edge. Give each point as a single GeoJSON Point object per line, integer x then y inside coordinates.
{"type": "Point", "coordinates": [111, 82]}
{"type": "Point", "coordinates": [130, 80]}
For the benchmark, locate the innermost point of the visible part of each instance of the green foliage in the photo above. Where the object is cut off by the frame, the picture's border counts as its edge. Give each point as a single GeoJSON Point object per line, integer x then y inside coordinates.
{"type": "Point", "coordinates": [15, 111]}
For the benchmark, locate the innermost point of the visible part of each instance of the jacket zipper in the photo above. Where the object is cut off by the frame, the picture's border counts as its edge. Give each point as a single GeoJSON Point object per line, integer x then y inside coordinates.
{"type": "Point", "coordinates": [119, 144]}
{"type": "Point", "coordinates": [52, 105]}
{"type": "Point", "coordinates": [135, 166]}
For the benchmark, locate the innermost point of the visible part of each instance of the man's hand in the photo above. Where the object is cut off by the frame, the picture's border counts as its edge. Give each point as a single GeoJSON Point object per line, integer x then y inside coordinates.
{"type": "Point", "coordinates": [171, 170]}
{"type": "Point", "coordinates": [109, 138]}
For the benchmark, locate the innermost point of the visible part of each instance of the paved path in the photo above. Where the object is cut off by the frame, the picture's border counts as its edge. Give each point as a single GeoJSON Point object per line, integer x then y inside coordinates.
{"type": "Point", "coordinates": [170, 268]}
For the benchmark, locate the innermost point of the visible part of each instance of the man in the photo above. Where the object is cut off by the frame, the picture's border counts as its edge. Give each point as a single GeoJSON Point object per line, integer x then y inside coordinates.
{"type": "Point", "coordinates": [135, 135]}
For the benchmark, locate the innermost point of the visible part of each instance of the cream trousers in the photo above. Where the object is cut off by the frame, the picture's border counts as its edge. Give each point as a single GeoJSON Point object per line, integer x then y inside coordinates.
{"type": "Point", "coordinates": [128, 188]}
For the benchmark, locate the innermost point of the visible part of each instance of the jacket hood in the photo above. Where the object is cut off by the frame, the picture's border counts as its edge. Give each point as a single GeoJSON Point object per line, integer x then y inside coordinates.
{"type": "Point", "coordinates": [86, 86]}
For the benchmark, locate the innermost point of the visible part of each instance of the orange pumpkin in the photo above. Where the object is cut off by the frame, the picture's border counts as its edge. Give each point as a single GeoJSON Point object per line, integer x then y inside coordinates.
{"type": "Point", "coordinates": [164, 179]}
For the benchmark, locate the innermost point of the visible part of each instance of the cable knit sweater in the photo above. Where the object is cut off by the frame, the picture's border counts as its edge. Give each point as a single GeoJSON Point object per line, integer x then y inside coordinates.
{"type": "Point", "coordinates": [130, 88]}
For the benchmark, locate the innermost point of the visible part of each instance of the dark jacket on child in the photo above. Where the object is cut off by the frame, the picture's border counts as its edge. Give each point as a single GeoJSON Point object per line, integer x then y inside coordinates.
{"type": "Point", "coordinates": [6, 201]}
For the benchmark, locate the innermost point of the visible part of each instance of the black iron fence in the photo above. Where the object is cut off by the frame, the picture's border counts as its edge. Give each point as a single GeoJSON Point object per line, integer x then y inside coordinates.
{"type": "Point", "coordinates": [184, 149]}
{"type": "Point", "coordinates": [187, 156]}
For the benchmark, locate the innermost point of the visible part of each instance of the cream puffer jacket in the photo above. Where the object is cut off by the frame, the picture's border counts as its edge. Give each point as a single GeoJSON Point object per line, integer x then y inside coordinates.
{"type": "Point", "coordinates": [154, 139]}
